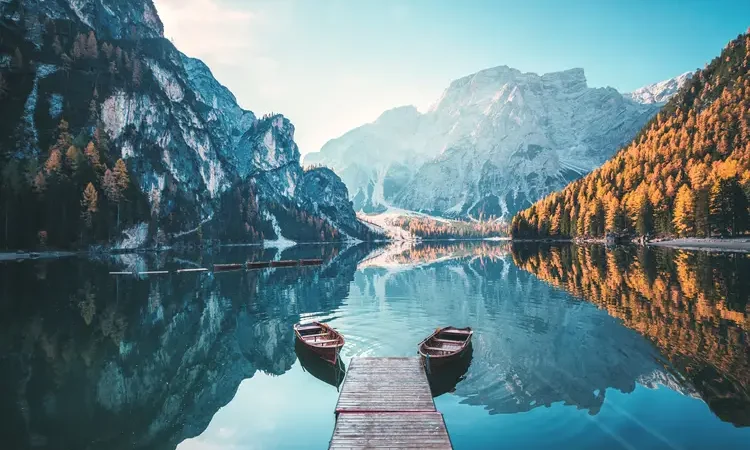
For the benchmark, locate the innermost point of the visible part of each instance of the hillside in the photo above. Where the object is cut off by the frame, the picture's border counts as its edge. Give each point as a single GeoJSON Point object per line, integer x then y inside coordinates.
{"type": "Point", "coordinates": [111, 136]}
{"type": "Point", "coordinates": [686, 173]}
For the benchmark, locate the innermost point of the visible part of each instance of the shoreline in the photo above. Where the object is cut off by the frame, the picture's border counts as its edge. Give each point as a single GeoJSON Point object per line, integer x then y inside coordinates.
{"type": "Point", "coordinates": [14, 256]}
{"type": "Point", "coordinates": [738, 245]}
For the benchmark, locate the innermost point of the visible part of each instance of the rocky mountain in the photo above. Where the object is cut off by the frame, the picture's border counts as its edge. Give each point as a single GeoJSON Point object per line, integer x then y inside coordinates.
{"type": "Point", "coordinates": [75, 71]}
{"type": "Point", "coordinates": [660, 92]}
{"type": "Point", "coordinates": [493, 143]}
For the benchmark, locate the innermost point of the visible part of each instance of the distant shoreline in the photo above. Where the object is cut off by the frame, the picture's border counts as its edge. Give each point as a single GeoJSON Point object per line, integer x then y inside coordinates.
{"type": "Point", "coordinates": [15, 256]}
{"type": "Point", "coordinates": [741, 245]}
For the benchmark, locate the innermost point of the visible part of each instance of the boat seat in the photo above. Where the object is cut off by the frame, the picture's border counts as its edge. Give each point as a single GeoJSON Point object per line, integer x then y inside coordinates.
{"type": "Point", "coordinates": [440, 349]}
{"type": "Point", "coordinates": [309, 327]}
{"type": "Point", "coordinates": [455, 331]}
{"type": "Point", "coordinates": [322, 342]}
{"type": "Point", "coordinates": [450, 341]}
{"type": "Point", "coordinates": [314, 335]}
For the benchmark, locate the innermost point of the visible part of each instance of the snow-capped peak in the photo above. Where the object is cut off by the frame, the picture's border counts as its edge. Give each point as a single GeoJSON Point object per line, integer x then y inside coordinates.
{"type": "Point", "coordinates": [661, 92]}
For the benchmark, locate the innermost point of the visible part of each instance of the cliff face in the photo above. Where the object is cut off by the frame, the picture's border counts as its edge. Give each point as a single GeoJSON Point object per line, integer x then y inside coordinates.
{"type": "Point", "coordinates": [103, 66]}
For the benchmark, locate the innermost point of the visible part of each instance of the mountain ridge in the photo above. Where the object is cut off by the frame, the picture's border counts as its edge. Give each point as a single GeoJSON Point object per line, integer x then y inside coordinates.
{"type": "Point", "coordinates": [492, 143]}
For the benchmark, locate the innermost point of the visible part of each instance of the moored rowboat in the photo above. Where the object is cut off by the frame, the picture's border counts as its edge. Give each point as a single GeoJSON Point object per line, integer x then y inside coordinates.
{"type": "Point", "coordinates": [226, 267]}
{"type": "Point", "coordinates": [320, 339]}
{"type": "Point", "coordinates": [445, 345]}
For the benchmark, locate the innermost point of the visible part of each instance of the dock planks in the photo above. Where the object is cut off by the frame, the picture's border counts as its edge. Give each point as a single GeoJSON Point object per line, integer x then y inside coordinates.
{"type": "Point", "coordinates": [387, 403]}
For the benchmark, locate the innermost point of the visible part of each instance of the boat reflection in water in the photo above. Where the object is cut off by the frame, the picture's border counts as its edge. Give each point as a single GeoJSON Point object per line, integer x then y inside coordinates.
{"type": "Point", "coordinates": [321, 369]}
{"type": "Point", "coordinates": [444, 378]}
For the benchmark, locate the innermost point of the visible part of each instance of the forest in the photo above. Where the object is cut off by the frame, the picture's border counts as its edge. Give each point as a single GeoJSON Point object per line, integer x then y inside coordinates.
{"type": "Point", "coordinates": [429, 228]}
{"type": "Point", "coordinates": [687, 173]}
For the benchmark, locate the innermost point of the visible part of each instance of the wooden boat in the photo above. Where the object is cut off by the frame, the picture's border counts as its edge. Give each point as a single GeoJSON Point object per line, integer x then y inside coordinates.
{"type": "Point", "coordinates": [445, 345]}
{"type": "Point", "coordinates": [310, 262]}
{"type": "Point", "coordinates": [320, 339]}
{"type": "Point", "coordinates": [258, 264]}
{"type": "Point", "coordinates": [225, 267]}
{"type": "Point", "coordinates": [332, 374]}
{"type": "Point", "coordinates": [291, 263]}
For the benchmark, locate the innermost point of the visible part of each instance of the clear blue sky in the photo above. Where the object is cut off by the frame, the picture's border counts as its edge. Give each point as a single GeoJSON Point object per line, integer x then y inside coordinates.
{"type": "Point", "coordinates": [331, 65]}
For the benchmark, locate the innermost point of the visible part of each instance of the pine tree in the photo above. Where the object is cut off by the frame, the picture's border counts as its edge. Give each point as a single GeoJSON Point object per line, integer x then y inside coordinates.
{"type": "Point", "coordinates": [79, 47]}
{"type": "Point", "coordinates": [40, 183]}
{"type": "Point", "coordinates": [17, 61]}
{"type": "Point", "coordinates": [702, 222]}
{"type": "Point", "coordinates": [11, 186]}
{"type": "Point", "coordinates": [92, 154]}
{"type": "Point", "coordinates": [64, 139]}
{"type": "Point", "coordinates": [684, 212]}
{"type": "Point", "coordinates": [92, 49]}
{"type": "Point", "coordinates": [137, 73]}
{"type": "Point", "coordinates": [53, 165]}
{"type": "Point", "coordinates": [3, 87]}
{"type": "Point", "coordinates": [57, 46]}
{"type": "Point", "coordinates": [101, 139]}
{"type": "Point", "coordinates": [90, 204]}
{"type": "Point", "coordinates": [644, 224]}
{"type": "Point", "coordinates": [720, 212]}
{"type": "Point", "coordinates": [121, 175]}
{"type": "Point", "coordinates": [74, 159]}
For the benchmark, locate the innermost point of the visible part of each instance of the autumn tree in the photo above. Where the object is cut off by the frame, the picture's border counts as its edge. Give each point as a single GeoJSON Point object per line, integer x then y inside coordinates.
{"type": "Point", "coordinates": [90, 204]}
{"type": "Point", "coordinates": [727, 207]}
{"type": "Point", "coordinates": [92, 155]}
{"type": "Point", "coordinates": [64, 139]}
{"type": "Point", "coordinates": [115, 183]}
{"type": "Point", "coordinates": [74, 159]}
{"type": "Point", "coordinates": [91, 47]}
{"type": "Point", "coordinates": [684, 212]}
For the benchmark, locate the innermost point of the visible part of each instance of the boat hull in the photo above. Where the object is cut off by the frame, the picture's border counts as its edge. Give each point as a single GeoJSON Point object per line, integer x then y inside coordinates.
{"type": "Point", "coordinates": [321, 340]}
{"type": "Point", "coordinates": [445, 346]}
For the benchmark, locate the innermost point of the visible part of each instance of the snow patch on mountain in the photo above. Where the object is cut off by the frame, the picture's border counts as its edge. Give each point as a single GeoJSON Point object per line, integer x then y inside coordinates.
{"type": "Point", "coordinates": [661, 92]}
{"type": "Point", "coordinates": [280, 243]}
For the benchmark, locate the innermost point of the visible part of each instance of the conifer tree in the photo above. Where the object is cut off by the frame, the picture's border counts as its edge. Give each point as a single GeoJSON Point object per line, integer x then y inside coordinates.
{"type": "Point", "coordinates": [92, 154]}
{"type": "Point", "coordinates": [90, 204]}
{"type": "Point", "coordinates": [3, 87]}
{"type": "Point", "coordinates": [92, 49]}
{"type": "Point", "coordinates": [17, 61]}
{"type": "Point", "coordinates": [74, 159]}
{"type": "Point", "coordinates": [57, 46]}
{"type": "Point", "coordinates": [644, 221]}
{"type": "Point", "coordinates": [11, 186]}
{"type": "Point", "coordinates": [684, 212]}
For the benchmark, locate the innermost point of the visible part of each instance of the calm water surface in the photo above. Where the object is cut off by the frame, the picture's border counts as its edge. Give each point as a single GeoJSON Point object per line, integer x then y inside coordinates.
{"type": "Point", "coordinates": [575, 347]}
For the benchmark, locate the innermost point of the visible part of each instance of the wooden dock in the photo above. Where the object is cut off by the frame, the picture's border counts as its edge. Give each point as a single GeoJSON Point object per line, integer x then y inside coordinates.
{"type": "Point", "coordinates": [387, 403]}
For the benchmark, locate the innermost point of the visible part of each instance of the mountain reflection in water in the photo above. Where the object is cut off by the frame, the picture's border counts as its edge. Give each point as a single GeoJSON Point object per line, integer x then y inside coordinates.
{"type": "Point", "coordinates": [191, 360]}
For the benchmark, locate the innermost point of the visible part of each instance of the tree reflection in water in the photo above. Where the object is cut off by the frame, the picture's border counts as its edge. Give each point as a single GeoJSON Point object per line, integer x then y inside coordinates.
{"type": "Point", "coordinates": [692, 305]}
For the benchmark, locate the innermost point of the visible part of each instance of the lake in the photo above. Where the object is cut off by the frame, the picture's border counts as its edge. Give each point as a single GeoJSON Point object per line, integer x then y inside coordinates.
{"type": "Point", "coordinates": [575, 347]}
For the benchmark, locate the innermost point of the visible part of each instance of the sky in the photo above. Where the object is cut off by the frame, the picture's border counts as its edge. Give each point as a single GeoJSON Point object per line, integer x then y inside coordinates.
{"type": "Point", "coordinates": [333, 65]}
